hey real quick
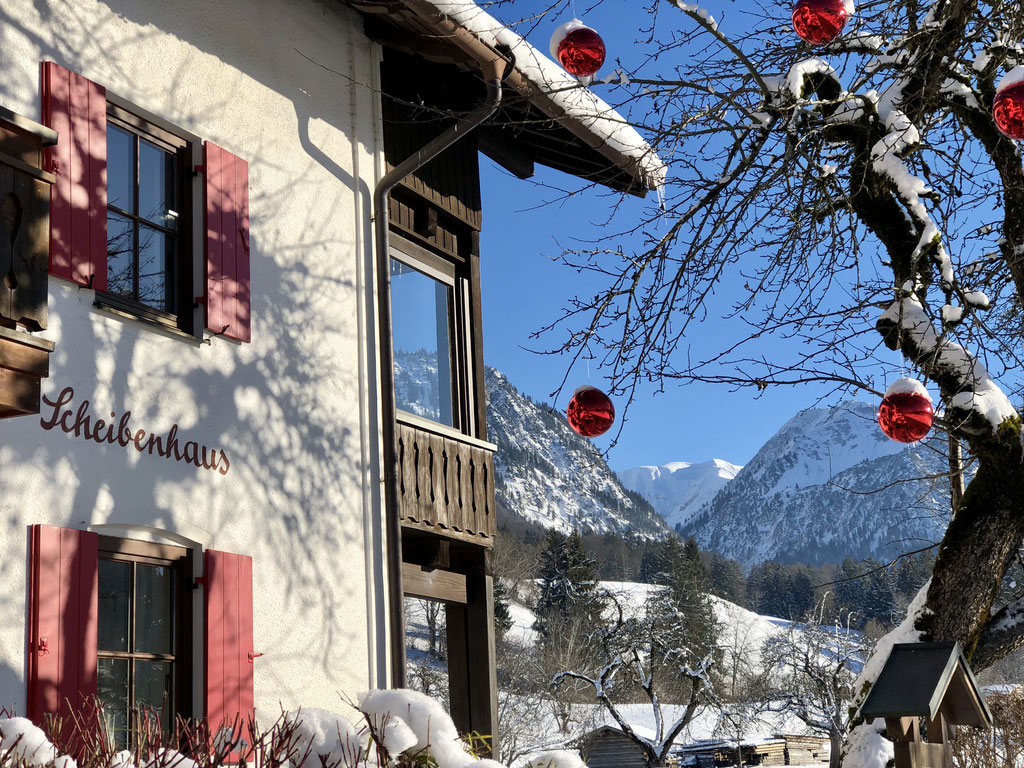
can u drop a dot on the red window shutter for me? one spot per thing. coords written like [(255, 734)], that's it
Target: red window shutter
[(63, 609), (228, 642), (227, 243), (77, 109)]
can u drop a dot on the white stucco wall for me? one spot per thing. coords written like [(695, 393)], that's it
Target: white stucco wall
[(295, 410)]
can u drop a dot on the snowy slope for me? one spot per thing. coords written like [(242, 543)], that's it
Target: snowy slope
[(828, 485), (550, 476), (679, 489)]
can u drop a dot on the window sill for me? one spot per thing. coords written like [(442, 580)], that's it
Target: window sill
[(158, 321)]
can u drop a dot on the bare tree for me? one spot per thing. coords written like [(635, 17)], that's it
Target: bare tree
[(525, 704), (636, 666), (810, 671), (859, 197)]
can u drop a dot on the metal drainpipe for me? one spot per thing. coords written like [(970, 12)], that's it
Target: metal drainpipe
[(493, 72)]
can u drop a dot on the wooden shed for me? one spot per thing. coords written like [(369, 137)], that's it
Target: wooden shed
[(609, 747), (930, 682)]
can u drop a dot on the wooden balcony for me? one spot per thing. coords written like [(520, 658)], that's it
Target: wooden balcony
[(445, 481)]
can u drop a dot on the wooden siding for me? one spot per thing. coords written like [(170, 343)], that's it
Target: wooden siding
[(446, 483), (451, 182), (611, 749)]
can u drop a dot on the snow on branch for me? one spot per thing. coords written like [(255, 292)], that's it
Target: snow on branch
[(972, 391), (797, 78)]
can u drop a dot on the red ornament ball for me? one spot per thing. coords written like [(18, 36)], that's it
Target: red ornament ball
[(1008, 110), (820, 21), (578, 48), (905, 416), (590, 412)]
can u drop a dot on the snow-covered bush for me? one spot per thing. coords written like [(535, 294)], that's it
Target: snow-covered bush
[(386, 729)]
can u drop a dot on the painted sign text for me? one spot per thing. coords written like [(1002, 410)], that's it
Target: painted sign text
[(120, 432)]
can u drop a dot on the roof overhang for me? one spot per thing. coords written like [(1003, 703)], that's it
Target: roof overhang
[(549, 116)]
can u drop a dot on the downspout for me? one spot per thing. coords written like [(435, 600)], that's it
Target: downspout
[(493, 69)]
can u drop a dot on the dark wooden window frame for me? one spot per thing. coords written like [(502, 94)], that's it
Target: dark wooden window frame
[(454, 274), (180, 560), (184, 146)]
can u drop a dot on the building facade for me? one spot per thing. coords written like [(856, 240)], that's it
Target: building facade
[(221, 496)]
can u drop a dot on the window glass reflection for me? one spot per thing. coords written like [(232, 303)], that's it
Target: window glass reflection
[(421, 311)]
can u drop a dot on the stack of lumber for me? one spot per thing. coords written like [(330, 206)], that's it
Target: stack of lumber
[(806, 750)]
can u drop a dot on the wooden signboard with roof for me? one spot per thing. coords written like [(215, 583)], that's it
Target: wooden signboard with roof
[(927, 684)]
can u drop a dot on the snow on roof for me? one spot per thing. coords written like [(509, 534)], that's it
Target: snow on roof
[(565, 91)]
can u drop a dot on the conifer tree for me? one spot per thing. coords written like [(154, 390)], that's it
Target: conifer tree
[(569, 586)]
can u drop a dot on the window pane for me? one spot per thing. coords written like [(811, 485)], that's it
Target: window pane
[(156, 185), (112, 691), (120, 256), (120, 168), (420, 312), (154, 689), (156, 269), (115, 589), (154, 612)]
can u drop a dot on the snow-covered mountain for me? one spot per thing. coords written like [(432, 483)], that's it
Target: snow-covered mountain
[(549, 475), (828, 485), (679, 489)]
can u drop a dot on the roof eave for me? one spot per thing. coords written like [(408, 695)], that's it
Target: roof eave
[(451, 32)]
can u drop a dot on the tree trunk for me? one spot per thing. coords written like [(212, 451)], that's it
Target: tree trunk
[(985, 533), (835, 740)]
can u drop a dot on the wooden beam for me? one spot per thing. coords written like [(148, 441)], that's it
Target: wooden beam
[(17, 356), (902, 728), (506, 152), (19, 394), (433, 583)]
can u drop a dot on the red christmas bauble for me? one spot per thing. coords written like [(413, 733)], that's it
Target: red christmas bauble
[(581, 52), (1008, 110), (820, 21), (906, 417), (590, 412)]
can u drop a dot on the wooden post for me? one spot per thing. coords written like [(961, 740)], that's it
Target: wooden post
[(471, 657)]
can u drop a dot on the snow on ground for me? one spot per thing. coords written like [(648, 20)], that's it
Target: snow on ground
[(522, 632), (741, 632)]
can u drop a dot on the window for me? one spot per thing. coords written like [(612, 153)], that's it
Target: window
[(148, 253), (135, 248), (431, 355), (142, 625), (421, 320)]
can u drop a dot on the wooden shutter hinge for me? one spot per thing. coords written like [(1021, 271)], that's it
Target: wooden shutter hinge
[(198, 169), (42, 646), (253, 656), (199, 581), (197, 301)]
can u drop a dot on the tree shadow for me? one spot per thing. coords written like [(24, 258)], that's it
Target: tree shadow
[(295, 410)]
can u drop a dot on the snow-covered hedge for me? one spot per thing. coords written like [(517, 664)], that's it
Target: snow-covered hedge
[(387, 729)]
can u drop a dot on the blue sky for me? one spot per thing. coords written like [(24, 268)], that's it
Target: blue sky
[(524, 290)]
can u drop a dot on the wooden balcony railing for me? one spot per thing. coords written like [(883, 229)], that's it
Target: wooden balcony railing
[(445, 480)]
